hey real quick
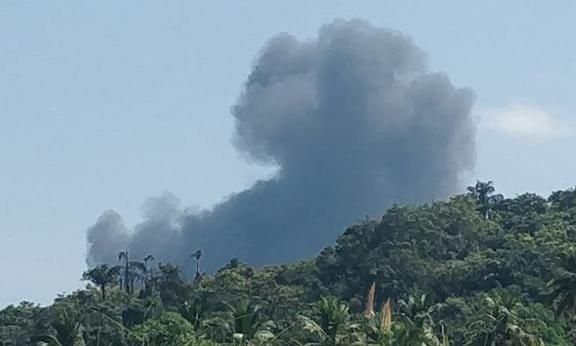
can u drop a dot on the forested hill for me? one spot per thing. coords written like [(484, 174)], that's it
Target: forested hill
[(479, 269)]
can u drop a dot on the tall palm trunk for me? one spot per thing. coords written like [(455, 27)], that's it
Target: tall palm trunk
[(103, 291), (126, 274)]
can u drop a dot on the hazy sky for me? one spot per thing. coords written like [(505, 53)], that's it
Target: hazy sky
[(106, 103)]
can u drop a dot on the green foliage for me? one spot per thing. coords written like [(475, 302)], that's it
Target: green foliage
[(168, 329), (478, 269), (102, 276)]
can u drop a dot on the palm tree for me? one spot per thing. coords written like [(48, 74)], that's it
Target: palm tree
[(501, 324), (417, 309), (173, 289), (482, 192), (333, 327), (196, 255), (148, 276), (194, 309), (332, 315), (102, 276), (131, 270), (247, 318), (148, 258), (562, 289), (417, 327), (123, 255), (68, 328)]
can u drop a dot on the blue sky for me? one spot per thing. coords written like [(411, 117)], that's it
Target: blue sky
[(106, 103)]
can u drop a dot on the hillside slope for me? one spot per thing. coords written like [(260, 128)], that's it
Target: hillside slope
[(479, 269)]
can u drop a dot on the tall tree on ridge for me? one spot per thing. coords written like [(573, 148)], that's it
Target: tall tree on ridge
[(102, 276)]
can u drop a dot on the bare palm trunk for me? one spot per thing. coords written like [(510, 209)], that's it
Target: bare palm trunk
[(103, 291)]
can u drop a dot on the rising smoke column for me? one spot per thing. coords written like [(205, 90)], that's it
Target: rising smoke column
[(354, 121)]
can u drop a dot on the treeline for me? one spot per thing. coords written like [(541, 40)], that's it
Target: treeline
[(479, 269)]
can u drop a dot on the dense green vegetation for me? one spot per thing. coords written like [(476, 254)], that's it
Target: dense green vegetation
[(478, 269)]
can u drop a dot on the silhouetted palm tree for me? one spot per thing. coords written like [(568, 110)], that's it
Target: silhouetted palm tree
[(131, 270), (148, 276), (333, 315), (102, 276), (482, 192), (196, 255), (247, 317)]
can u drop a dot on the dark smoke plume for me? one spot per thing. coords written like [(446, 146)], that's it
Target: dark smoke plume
[(354, 121)]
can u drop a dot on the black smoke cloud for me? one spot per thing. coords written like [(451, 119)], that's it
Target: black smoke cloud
[(355, 122)]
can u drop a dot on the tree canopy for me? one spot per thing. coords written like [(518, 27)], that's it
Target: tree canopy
[(477, 269)]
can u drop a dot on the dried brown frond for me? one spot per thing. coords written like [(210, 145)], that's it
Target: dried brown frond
[(369, 309), (386, 322)]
